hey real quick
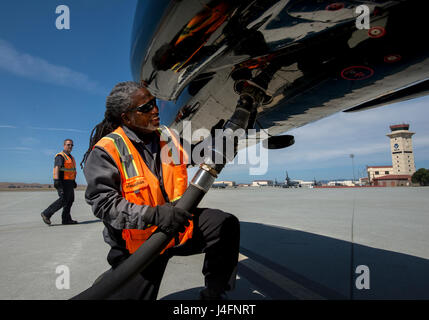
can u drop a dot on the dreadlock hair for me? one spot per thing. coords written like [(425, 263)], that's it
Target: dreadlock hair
[(117, 102)]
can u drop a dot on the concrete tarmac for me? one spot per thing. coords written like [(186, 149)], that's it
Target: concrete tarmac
[(366, 243)]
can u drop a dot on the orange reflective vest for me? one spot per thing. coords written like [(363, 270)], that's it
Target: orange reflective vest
[(69, 167), (140, 186)]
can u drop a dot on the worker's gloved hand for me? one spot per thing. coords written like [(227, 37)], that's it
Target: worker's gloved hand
[(168, 218), (74, 184), (58, 184)]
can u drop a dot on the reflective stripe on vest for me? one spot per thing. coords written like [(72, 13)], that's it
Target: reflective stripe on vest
[(69, 167), (140, 186), (127, 161)]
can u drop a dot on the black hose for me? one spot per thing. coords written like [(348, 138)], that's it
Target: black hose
[(140, 259)]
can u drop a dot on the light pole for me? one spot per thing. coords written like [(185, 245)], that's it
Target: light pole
[(353, 166)]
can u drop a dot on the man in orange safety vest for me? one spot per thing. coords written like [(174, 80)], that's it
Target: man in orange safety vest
[(64, 175), (132, 187)]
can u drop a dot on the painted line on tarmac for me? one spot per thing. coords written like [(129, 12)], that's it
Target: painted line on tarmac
[(292, 288)]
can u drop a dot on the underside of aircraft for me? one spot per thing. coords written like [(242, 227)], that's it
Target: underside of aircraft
[(310, 58)]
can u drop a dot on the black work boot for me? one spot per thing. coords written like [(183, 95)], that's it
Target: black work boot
[(45, 219)]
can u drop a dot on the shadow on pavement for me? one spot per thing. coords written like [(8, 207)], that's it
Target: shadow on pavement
[(327, 266), (241, 292), (79, 222)]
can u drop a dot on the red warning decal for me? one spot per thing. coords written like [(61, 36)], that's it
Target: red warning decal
[(376, 32), (357, 73), (392, 58), (335, 6)]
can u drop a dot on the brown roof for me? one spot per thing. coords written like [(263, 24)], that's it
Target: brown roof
[(394, 177), (405, 126)]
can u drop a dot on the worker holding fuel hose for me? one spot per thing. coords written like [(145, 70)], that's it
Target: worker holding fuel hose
[(132, 186)]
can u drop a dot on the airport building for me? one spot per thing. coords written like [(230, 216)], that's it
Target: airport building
[(227, 183), (260, 183), (305, 184), (393, 180), (223, 184), (378, 171), (403, 166), (401, 147), (243, 185), (346, 183), (364, 181)]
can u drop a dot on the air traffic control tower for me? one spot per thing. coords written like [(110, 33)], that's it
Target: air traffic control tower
[(402, 149)]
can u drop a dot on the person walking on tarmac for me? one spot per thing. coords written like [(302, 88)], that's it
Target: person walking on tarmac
[(64, 182), (133, 189)]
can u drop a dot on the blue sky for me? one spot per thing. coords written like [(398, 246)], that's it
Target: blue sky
[(54, 84)]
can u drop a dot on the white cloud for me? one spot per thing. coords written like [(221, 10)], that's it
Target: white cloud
[(25, 149), (28, 66), (59, 129), (366, 124), (420, 142), (321, 154), (29, 141), (49, 152)]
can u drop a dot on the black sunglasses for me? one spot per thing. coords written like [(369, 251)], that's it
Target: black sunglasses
[(148, 106)]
